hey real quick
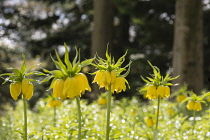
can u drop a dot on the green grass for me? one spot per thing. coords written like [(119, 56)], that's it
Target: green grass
[(127, 121)]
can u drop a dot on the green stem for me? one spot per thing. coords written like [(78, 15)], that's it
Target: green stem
[(79, 118), (54, 116), (158, 110), (25, 118), (157, 117), (194, 121), (108, 113)]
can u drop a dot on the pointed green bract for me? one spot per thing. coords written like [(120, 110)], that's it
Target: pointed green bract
[(66, 68)]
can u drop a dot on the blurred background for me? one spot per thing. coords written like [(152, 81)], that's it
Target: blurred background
[(173, 35)]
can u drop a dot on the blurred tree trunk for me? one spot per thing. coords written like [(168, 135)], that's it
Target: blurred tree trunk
[(102, 31), (188, 44), (102, 27)]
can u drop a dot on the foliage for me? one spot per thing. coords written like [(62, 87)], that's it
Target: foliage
[(127, 121)]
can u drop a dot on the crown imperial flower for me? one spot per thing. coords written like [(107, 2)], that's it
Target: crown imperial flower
[(19, 81), (109, 73), (157, 86), (67, 81)]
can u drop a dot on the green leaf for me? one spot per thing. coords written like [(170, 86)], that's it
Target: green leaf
[(46, 79), (33, 66), (76, 57), (57, 73), (45, 70), (8, 74), (86, 62), (128, 71), (23, 66), (144, 79), (60, 65), (66, 58)]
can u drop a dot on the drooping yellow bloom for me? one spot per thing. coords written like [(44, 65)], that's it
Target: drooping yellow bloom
[(197, 106), (151, 92), (82, 83), (180, 98), (190, 105), (119, 85), (58, 89), (150, 121), (15, 89), (54, 103), (104, 78), (160, 91), (27, 88), (71, 87), (194, 105)]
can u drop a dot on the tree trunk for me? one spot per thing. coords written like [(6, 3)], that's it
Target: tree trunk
[(188, 44), (102, 32), (102, 27)]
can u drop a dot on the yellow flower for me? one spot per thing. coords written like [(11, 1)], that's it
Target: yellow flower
[(151, 93), (161, 91), (167, 91), (105, 78), (71, 87), (150, 121), (171, 111), (15, 89), (197, 106), (82, 83), (190, 105), (54, 103), (58, 89), (102, 101), (194, 105), (180, 98), (27, 88), (118, 85)]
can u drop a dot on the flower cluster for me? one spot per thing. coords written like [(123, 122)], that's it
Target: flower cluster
[(71, 86), (54, 103), (194, 101), (192, 105), (109, 73), (19, 81), (67, 81), (157, 85), (150, 121), (160, 91), (26, 87), (106, 78)]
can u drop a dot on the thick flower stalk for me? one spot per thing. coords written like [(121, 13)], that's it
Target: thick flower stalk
[(157, 87), (21, 85), (67, 81), (109, 76)]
